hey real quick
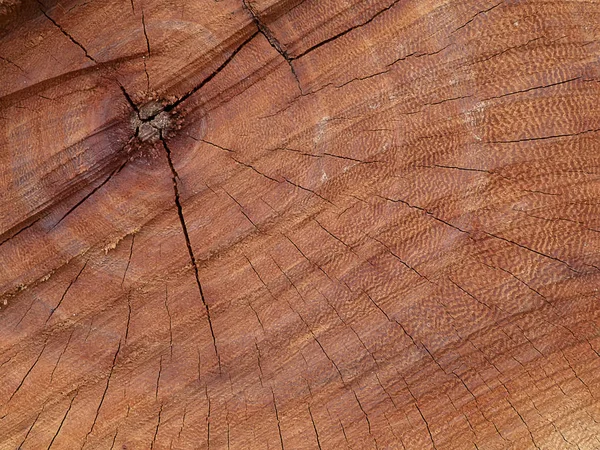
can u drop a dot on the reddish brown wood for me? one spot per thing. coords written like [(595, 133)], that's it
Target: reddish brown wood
[(299, 224)]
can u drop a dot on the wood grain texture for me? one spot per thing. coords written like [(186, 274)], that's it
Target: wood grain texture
[(299, 224)]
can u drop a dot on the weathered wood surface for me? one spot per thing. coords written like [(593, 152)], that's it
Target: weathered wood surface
[(353, 225)]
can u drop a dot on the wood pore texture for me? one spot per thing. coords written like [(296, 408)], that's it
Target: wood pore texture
[(358, 224)]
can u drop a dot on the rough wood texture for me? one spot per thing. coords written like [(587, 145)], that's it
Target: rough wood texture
[(299, 224)]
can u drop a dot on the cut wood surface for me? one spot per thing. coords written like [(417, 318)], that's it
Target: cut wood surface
[(287, 224)]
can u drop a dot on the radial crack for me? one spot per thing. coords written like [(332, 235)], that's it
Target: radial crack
[(273, 41), (315, 427), (62, 422), (207, 418), (277, 417), (157, 427), (485, 11), (343, 33), (97, 188), (53, 310), (145, 33), (174, 177), (129, 260), (63, 31), (211, 76), (112, 368), (61, 355), (170, 320), (158, 378), (31, 427), (28, 372)]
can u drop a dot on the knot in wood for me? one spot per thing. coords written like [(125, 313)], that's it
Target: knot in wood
[(151, 121)]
